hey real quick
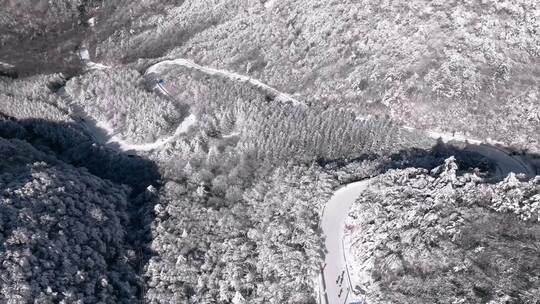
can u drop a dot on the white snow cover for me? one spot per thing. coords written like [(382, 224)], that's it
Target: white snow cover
[(333, 219), (270, 4), (6, 65), (158, 67), (127, 146), (96, 66), (337, 208), (447, 137), (105, 133), (110, 136)]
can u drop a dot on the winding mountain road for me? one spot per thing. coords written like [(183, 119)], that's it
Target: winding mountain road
[(333, 219), (277, 95), (102, 132), (124, 145), (335, 286)]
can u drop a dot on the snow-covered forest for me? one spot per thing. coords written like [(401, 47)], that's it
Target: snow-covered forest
[(63, 230), (451, 65), (187, 151), (224, 221), (119, 98), (422, 235)]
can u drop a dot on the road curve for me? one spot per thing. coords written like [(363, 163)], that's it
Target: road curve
[(505, 162), (337, 209), (123, 145), (277, 95), (103, 133), (333, 219)]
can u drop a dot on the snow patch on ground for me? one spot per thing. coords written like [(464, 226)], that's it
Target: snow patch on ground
[(6, 65), (270, 4), (447, 137), (230, 135), (357, 277), (96, 66)]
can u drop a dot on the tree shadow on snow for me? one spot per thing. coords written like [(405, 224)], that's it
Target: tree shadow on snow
[(68, 143), (493, 162)]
